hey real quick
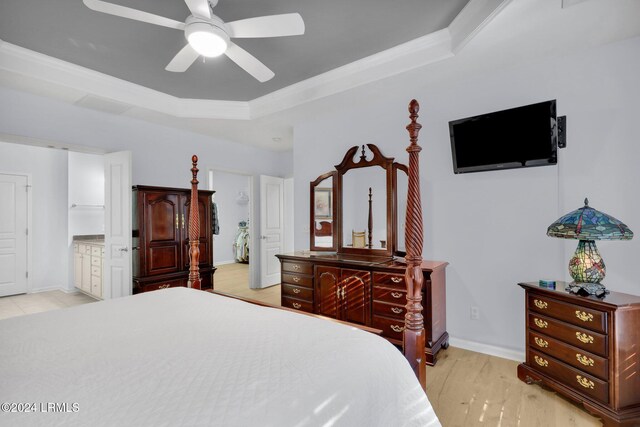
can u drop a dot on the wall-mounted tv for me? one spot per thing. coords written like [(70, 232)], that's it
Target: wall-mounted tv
[(515, 138)]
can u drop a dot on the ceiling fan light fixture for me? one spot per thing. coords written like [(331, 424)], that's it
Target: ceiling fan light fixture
[(206, 39)]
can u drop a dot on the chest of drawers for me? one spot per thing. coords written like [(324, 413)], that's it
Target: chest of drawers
[(585, 348)]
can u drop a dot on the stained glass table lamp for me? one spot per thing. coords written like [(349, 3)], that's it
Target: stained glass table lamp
[(588, 225)]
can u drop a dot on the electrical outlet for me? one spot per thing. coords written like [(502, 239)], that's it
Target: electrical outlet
[(475, 312)]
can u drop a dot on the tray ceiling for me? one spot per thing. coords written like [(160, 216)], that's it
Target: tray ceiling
[(338, 32)]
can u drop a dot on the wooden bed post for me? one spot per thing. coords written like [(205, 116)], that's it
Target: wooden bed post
[(414, 333), (194, 229)]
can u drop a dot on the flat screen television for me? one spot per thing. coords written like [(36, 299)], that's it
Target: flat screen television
[(515, 138)]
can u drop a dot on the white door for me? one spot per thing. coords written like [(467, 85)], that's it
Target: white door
[(271, 228), (13, 234), (117, 225)]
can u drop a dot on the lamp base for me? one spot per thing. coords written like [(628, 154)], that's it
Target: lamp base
[(586, 289)]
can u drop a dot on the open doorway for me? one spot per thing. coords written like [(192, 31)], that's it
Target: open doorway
[(235, 237)]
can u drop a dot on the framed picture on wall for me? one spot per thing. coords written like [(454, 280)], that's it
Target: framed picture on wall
[(322, 202)]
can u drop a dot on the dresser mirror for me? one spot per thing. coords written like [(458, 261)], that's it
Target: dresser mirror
[(359, 208)]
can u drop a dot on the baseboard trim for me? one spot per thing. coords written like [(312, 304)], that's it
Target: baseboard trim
[(53, 288), (491, 350), (217, 263)]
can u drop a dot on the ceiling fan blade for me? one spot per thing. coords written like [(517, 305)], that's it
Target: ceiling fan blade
[(249, 63), (136, 15), (288, 24), (183, 60), (199, 8)]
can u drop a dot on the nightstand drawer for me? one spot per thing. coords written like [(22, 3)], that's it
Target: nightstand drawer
[(297, 267), (392, 296), (576, 357), (297, 304), (298, 280), (574, 378), (580, 316), (390, 310), (297, 292), (582, 338)]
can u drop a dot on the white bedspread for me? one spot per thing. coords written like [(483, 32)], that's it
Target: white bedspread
[(184, 357)]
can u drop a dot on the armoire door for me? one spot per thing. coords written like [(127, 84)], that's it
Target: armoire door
[(327, 286), (204, 214), (356, 297), (162, 233)]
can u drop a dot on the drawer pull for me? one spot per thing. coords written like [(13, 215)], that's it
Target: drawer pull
[(397, 328), (296, 305), (296, 267), (396, 294), (585, 317), (541, 343), (587, 339), (164, 286), (396, 310), (396, 279), (540, 323), (540, 361), (296, 290), (585, 382), (296, 279), (586, 361), (540, 304)]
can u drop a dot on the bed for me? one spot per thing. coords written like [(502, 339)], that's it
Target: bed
[(182, 356)]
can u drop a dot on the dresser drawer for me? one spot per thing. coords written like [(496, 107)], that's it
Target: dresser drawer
[(297, 304), (390, 310), (297, 267), (391, 328), (578, 358), (96, 270), (391, 280), (96, 261), (582, 338), (296, 279), (581, 316), (394, 296), (574, 378), (96, 251), (299, 292)]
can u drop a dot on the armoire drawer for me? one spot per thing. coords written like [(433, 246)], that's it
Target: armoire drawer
[(163, 285)]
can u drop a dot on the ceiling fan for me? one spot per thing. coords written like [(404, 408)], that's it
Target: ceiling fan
[(210, 36)]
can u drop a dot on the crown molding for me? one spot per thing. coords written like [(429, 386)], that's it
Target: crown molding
[(419, 52)]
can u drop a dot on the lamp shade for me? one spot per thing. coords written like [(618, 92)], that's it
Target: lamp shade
[(587, 223)]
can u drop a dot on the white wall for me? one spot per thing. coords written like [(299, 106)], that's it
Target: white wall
[(230, 212), (48, 170), (160, 155), (491, 226)]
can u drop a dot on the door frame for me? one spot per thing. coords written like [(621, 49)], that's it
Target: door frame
[(252, 240), (29, 221)]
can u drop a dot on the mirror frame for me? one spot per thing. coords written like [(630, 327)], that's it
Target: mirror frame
[(334, 212), (378, 160)]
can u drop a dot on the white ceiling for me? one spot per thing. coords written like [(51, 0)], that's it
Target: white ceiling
[(486, 35)]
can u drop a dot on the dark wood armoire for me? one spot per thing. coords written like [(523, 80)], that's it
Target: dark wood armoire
[(161, 238)]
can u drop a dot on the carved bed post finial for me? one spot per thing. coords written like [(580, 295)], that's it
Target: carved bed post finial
[(414, 333), (194, 229)]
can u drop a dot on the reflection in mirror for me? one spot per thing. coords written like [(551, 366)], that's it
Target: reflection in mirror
[(401, 193), (323, 214), (364, 195)]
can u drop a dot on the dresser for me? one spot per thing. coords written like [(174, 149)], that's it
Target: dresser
[(88, 256), (365, 290), (585, 348), (161, 238)]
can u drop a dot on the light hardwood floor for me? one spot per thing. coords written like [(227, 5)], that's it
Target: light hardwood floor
[(234, 279), (465, 388)]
